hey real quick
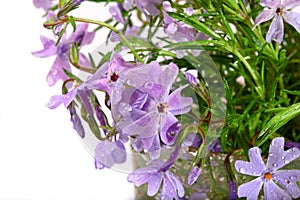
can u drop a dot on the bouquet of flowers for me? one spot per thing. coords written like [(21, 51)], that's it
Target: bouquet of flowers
[(201, 95)]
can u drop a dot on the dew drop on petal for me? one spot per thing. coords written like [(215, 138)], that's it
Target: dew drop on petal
[(242, 170), (130, 178), (274, 165)]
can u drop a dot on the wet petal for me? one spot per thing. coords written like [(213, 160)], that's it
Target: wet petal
[(278, 157), (66, 99), (169, 188), (276, 30), (142, 175), (75, 119), (56, 72), (256, 165), (83, 60), (273, 192), (178, 184), (127, 4), (264, 16), (178, 104), (293, 19), (154, 184), (250, 189), (288, 179)]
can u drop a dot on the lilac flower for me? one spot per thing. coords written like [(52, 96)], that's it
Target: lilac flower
[(108, 153), (194, 174), (179, 31), (45, 4), (77, 125), (112, 71), (156, 174), (279, 10), (81, 37), (116, 13), (149, 7), (142, 106), (268, 175), (77, 2), (232, 190)]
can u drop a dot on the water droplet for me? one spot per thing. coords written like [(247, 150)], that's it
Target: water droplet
[(274, 165), (130, 178), (286, 162), (271, 154), (292, 177), (282, 158), (242, 170), (281, 147), (148, 85), (251, 166)]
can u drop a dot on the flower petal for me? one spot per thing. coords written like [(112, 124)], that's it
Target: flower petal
[(273, 192), (288, 179), (168, 136), (256, 165), (178, 104), (154, 184), (178, 184), (56, 72), (290, 4), (264, 16), (49, 48), (250, 189), (66, 99), (116, 13), (293, 19), (278, 157), (270, 3), (276, 30)]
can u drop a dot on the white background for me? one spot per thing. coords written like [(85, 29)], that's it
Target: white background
[(41, 156)]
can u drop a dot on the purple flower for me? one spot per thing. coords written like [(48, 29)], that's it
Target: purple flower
[(77, 2), (45, 4), (194, 174), (149, 7), (279, 10), (83, 90), (291, 144), (193, 81), (179, 31), (108, 153), (77, 125), (232, 190), (81, 37), (112, 71), (268, 175), (142, 105), (116, 13), (132, 31), (156, 174)]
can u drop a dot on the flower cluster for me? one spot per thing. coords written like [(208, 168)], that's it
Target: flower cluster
[(188, 87)]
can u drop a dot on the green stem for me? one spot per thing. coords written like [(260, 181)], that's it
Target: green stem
[(123, 38), (255, 77)]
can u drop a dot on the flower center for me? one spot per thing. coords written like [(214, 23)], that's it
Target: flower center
[(114, 77), (279, 11), (268, 176), (162, 107)]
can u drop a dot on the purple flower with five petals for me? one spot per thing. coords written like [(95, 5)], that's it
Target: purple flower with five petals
[(156, 174), (268, 175), (45, 4), (142, 105), (81, 36), (279, 10)]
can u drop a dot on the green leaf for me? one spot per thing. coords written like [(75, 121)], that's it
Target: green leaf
[(196, 24), (72, 21), (278, 121)]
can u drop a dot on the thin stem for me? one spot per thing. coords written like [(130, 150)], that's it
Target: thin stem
[(77, 19)]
